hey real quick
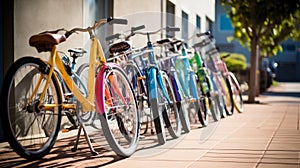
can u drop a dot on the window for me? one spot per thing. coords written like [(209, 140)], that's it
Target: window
[(225, 23), (198, 22), (185, 25), (289, 47), (208, 24), (170, 17)]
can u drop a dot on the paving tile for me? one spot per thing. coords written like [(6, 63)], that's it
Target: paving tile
[(218, 164), (278, 165)]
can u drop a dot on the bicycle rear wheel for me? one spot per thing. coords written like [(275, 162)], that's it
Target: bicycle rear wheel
[(30, 130), (119, 111)]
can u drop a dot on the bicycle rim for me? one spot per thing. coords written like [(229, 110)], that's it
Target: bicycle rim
[(237, 97), (137, 82), (203, 101), (30, 131), (228, 104), (214, 108), (120, 122), (170, 110)]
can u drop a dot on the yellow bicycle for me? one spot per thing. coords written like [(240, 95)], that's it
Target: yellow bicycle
[(32, 98)]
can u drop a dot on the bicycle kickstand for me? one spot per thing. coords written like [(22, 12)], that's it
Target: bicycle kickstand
[(87, 139)]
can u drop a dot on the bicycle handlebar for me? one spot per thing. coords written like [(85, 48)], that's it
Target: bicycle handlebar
[(204, 42), (117, 35), (203, 34), (133, 29), (97, 24), (168, 28)]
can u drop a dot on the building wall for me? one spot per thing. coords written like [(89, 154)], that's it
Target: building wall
[(153, 13), (34, 16)]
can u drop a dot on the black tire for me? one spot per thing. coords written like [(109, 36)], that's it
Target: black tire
[(203, 109), (213, 101), (182, 104), (170, 109), (120, 122), (153, 90), (31, 132), (216, 94), (194, 112)]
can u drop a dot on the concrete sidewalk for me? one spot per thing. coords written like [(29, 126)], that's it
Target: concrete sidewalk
[(265, 135)]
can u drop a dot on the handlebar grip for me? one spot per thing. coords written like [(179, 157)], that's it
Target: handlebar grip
[(168, 28), (137, 28), (203, 34), (114, 36), (111, 20)]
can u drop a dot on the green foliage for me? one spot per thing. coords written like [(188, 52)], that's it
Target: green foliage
[(235, 61), (267, 22)]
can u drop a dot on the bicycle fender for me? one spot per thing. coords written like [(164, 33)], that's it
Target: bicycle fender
[(100, 85)]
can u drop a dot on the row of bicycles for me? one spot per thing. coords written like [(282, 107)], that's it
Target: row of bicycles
[(166, 86)]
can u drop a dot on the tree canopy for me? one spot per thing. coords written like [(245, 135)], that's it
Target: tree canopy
[(261, 25)]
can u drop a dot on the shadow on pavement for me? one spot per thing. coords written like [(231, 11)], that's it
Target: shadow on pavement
[(289, 94), (62, 156)]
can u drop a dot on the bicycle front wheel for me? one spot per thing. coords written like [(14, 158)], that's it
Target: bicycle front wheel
[(81, 80), (169, 106), (31, 130), (228, 102), (237, 94), (195, 87), (119, 111)]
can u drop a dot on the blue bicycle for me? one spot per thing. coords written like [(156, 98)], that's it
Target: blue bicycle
[(152, 85)]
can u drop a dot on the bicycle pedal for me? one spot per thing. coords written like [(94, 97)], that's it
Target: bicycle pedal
[(213, 94), (68, 95), (192, 100), (65, 130), (141, 78)]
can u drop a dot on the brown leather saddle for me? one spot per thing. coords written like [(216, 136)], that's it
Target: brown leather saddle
[(46, 41)]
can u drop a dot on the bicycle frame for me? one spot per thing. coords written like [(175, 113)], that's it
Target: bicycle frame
[(189, 87), (88, 103), (153, 73)]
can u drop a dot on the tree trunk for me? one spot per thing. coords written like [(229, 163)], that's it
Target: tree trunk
[(253, 70)]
